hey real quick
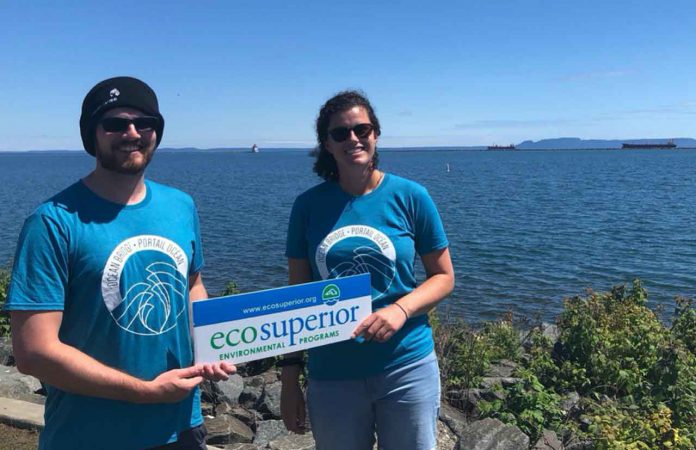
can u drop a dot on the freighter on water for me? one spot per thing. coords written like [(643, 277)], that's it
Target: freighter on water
[(669, 144)]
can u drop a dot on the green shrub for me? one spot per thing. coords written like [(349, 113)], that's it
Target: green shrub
[(4, 316), (614, 337), (614, 426), (684, 325), (529, 405), (674, 379), (615, 346), (231, 288), (561, 376), (462, 354), (502, 340), (637, 376)]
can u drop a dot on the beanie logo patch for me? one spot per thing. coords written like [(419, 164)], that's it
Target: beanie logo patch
[(113, 96)]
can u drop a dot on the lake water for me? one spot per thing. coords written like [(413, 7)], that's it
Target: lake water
[(527, 228)]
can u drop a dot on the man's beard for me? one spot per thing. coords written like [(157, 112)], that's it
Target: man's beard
[(113, 161)]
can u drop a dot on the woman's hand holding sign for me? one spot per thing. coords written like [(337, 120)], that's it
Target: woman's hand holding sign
[(382, 324)]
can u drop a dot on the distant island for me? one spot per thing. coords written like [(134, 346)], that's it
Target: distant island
[(568, 143), (577, 143)]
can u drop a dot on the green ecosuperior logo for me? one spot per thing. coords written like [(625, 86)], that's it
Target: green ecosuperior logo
[(330, 294)]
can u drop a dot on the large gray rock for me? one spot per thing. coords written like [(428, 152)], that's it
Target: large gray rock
[(502, 369), (271, 376), (492, 434), (249, 418), (570, 404), (467, 400), (548, 441), (455, 420), (293, 442), (455, 397), (550, 331), (225, 429), (492, 382), (217, 392), (253, 392), (269, 404), (574, 443), (6, 358), (209, 393), (230, 390), (446, 438), (17, 386), (269, 430)]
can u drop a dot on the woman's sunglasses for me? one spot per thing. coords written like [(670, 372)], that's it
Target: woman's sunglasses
[(361, 130), (121, 124)]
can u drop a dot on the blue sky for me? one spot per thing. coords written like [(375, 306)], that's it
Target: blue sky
[(233, 73)]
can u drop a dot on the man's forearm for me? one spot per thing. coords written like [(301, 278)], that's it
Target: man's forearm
[(39, 352), (71, 370)]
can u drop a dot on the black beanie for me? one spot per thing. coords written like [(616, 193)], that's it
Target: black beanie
[(113, 93)]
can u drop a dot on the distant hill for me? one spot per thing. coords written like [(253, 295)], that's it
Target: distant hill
[(577, 143)]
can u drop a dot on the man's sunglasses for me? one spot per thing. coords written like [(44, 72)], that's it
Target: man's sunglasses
[(121, 124), (361, 130)]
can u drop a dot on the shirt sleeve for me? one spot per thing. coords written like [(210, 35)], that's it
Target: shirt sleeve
[(197, 261), (40, 271), (296, 244), (430, 233)]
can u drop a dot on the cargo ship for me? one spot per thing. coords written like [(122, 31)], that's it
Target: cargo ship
[(669, 144), (501, 147)]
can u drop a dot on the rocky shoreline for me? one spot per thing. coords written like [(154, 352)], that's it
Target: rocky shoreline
[(243, 413)]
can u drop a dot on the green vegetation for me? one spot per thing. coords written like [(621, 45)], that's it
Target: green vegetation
[(4, 316), (636, 377), (231, 288), (527, 404), (461, 353)]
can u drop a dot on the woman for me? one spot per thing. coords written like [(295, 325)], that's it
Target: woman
[(362, 219)]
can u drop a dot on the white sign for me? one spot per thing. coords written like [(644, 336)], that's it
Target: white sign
[(256, 325)]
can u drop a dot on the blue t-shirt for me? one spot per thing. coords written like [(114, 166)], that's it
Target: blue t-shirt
[(381, 232), (120, 274)]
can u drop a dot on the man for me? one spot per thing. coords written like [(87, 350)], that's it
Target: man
[(100, 291)]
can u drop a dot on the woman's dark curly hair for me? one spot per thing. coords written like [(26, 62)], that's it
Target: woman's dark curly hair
[(325, 165)]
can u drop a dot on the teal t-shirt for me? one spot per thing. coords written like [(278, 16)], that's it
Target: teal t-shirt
[(382, 233), (120, 275)]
